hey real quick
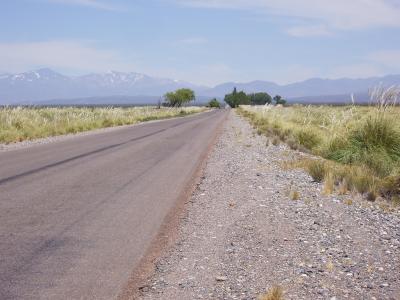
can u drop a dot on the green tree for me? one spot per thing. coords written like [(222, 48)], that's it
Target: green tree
[(214, 103), (242, 98), (179, 97), (260, 98), (236, 98), (279, 100)]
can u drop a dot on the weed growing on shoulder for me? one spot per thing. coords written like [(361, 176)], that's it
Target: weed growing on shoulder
[(275, 141), (329, 184), (343, 187), (348, 202), (274, 293), (294, 195), (316, 169)]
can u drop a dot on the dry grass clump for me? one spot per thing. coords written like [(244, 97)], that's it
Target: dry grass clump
[(343, 187), (23, 123), (275, 293), (344, 178), (348, 202), (329, 184), (361, 144), (316, 169), (335, 175), (294, 195)]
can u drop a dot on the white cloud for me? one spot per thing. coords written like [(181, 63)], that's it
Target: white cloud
[(338, 14), (88, 3), (308, 31), (71, 55)]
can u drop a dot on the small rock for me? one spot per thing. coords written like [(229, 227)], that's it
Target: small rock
[(384, 284), (221, 278)]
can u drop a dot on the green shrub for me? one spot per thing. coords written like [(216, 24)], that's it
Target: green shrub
[(214, 103), (374, 143), (307, 138)]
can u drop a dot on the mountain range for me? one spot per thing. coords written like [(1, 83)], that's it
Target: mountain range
[(45, 86)]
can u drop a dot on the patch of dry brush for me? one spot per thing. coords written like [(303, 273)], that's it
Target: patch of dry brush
[(23, 123), (358, 146)]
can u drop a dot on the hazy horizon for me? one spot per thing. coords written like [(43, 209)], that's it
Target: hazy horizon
[(183, 80)]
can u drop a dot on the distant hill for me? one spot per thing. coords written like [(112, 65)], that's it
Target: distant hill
[(315, 88), (45, 86)]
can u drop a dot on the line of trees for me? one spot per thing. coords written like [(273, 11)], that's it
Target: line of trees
[(236, 98), (181, 97)]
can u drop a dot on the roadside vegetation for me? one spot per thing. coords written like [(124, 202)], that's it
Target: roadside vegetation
[(23, 123), (358, 146)]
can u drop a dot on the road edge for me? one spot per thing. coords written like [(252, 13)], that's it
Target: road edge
[(168, 233)]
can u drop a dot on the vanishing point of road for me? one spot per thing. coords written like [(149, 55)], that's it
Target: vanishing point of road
[(78, 215)]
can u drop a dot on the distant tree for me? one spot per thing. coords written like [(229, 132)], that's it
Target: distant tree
[(229, 99), (242, 98), (260, 98), (236, 98), (179, 97), (279, 100), (214, 103)]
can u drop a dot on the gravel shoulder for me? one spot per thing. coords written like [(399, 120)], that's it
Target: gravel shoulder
[(242, 233)]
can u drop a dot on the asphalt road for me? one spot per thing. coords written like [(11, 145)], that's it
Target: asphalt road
[(76, 216)]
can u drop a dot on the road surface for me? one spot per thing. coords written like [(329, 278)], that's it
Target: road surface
[(76, 216)]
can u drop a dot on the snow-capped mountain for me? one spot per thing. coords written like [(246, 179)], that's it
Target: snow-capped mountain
[(45, 84), (34, 76), (113, 78)]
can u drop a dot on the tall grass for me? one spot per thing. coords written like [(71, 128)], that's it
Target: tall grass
[(21, 123), (363, 143)]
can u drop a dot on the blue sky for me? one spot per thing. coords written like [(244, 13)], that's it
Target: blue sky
[(203, 41)]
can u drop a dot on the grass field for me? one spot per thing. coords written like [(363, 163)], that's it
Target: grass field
[(19, 123), (359, 146)]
